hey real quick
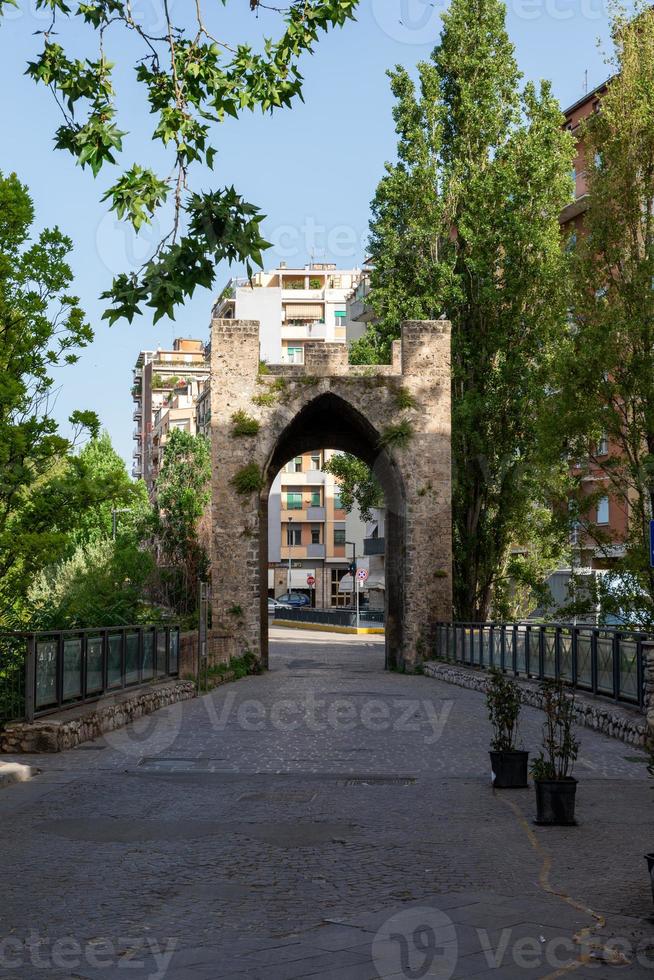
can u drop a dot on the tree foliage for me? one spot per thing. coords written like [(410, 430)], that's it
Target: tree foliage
[(465, 225), (101, 584), (606, 381), (65, 512), (182, 494), (41, 327), (190, 79), (356, 484)]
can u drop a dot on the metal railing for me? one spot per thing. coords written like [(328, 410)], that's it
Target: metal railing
[(332, 617), (603, 661), (45, 672)]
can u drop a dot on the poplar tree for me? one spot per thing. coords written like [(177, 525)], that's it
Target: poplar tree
[(606, 385), (465, 226)]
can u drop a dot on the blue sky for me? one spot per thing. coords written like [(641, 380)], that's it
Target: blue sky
[(311, 169)]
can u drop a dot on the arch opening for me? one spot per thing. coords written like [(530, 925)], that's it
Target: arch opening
[(329, 422)]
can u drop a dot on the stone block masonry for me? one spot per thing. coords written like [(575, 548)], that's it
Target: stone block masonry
[(89, 721), (395, 417), (616, 720)]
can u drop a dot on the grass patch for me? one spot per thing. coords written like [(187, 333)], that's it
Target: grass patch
[(248, 480), (397, 436), (244, 425), (404, 398), (235, 610)]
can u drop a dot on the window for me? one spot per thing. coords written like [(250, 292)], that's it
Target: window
[(338, 598), (295, 465), (315, 461), (603, 445), (339, 317), (315, 535), (339, 537), (338, 502), (603, 510), (294, 500), (315, 498), (293, 536), (295, 355)]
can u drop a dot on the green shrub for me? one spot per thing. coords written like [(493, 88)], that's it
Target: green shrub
[(404, 398), (398, 435), (244, 425), (248, 480)]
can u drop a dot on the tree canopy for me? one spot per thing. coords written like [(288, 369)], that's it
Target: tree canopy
[(465, 225), (191, 77)]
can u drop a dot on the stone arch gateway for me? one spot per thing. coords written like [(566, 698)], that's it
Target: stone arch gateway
[(396, 417)]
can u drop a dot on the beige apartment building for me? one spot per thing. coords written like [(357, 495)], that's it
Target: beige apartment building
[(165, 389)]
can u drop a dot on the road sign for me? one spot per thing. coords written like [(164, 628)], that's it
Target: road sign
[(362, 574), (311, 580)]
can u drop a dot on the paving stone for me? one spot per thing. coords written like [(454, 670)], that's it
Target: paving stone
[(246, 845)]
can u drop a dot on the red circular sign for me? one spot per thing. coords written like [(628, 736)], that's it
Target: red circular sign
[(311, 580)]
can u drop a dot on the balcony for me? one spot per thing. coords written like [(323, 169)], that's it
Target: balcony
[(374, 546), (315, 513), (310, 330), (315, 551), (137, 414)]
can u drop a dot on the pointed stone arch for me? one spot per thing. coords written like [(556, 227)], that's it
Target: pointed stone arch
[(395, 417)]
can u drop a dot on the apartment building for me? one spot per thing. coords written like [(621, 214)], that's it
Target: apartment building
[(165, 388), (311, 538), (607, 515), (292, 306)]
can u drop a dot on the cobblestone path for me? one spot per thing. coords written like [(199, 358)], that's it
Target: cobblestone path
[(325, 820)]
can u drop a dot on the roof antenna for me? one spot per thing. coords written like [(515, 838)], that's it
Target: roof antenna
[(586, 82)]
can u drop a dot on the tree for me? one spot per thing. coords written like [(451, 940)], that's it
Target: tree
[(607, 368), (190, 80), (356, 484), (41, 326), (182, 494), (101, 584), (465, 225), (68, 508)]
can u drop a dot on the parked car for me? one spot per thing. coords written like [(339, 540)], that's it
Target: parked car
[(294, 599), (275, 606)]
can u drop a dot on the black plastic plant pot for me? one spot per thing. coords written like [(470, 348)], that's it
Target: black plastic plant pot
[(555, 801), (509, 769), (650, 867)]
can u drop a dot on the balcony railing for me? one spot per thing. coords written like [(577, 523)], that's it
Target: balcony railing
[(374, 546), (599, 660), (49, 671)]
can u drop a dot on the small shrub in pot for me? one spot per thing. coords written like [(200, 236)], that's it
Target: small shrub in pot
[(552, 770), (504, 701)]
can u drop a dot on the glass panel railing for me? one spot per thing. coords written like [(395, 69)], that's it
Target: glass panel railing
[(94, 665), (72, 681), (114, 660), (46, 673)]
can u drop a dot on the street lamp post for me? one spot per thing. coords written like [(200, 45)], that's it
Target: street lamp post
[(289, 588), (114, 519)]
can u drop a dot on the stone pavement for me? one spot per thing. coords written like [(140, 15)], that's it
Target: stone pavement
[(325, 820)]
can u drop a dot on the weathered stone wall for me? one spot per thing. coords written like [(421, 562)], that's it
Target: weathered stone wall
[(616, 720), (86, 722), (329, 403)]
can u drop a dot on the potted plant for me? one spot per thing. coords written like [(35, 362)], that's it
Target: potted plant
[(508, 764), (552, 771)]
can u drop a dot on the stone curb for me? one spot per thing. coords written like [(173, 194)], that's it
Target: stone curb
[(15, 772), (616, 721)]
